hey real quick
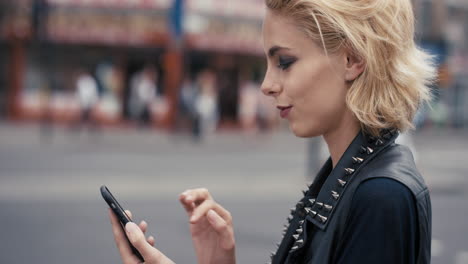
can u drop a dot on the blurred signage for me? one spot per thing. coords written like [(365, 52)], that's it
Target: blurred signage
[(176, 19), (153, 4), (15, 18), (223, 35), (232, 26), (228, 8), (110, 26)]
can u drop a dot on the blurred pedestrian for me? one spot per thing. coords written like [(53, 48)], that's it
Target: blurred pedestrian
[(188, 99), (206, 102), (87, 94), (348, 71), (143, 94), (249, 105)]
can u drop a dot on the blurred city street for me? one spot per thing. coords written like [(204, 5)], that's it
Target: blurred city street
[(52, 211), (89, 91)]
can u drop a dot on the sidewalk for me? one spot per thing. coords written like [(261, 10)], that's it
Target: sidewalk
[(153, 163)]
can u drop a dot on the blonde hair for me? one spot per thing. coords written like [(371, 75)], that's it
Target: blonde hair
[(381, 32)]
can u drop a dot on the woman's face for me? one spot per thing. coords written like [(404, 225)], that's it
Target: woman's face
[(308, 85)]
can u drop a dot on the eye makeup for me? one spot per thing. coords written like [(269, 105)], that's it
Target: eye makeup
[(285, 61)]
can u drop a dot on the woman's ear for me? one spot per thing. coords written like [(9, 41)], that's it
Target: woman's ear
[(355, 65)]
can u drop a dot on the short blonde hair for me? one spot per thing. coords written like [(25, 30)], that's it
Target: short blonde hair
[(397, 75)]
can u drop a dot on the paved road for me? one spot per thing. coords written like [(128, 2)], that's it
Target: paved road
[(52, 211)]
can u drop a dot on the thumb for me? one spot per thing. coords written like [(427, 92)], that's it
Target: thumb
[(138, 240)]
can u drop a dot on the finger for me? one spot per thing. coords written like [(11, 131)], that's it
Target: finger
[(188, 206), (203, 208), (223, 229), (197, 196), (129, 214), (120, 239), (150, 240), (137, 238), (143, 226)]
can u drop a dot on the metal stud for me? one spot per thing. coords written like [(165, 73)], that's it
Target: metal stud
[(327, 207), (341, 182), (387, 136), (300, 205), (299, 231), (311, 212), (293, 209), (296, 236), (370, 139), (322, 218), (294, 248), (363, 149), (304, 192), (299, 242), (312, 201), (301, 222), (357, 160), (335, 195), (369, 150), (290, 218), (319, 205), (349, 171), (379, 142)]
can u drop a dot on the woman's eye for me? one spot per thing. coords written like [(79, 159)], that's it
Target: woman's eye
[(284, 63)]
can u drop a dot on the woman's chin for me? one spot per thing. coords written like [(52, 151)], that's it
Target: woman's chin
[(302, 131)]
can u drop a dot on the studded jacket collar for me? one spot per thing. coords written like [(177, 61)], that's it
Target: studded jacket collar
[(327, 199)]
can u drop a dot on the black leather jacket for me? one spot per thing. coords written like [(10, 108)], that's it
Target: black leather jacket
[(315, 227)]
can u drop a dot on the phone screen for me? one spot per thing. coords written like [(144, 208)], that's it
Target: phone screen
[(120, 213)]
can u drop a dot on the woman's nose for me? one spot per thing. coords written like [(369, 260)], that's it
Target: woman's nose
[(270, 88)]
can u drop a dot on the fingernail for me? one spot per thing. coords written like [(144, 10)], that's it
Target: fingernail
[(192, 219), (131, 228), (210, 215), (188, 198)]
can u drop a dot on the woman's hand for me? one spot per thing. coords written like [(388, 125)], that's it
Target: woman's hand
[(136, 235), (211, 228)]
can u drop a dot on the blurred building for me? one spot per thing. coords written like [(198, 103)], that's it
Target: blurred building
[(441, 29), (44, 43)]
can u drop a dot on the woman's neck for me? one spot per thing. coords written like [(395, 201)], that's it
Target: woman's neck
[(341, 137)]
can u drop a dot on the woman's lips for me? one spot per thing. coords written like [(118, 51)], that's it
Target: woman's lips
[(284, 110)]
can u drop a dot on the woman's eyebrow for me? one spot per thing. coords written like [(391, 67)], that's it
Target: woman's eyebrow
[(274, 49)]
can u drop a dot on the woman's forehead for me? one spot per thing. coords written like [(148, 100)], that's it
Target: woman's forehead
[(281, 31)]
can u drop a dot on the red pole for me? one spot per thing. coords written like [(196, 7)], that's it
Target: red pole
[(173, 65), (16, 72)]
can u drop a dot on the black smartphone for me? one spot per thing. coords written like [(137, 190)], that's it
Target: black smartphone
[(121, 215)]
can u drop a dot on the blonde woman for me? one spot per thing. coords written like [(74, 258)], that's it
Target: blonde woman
[(348, 71)]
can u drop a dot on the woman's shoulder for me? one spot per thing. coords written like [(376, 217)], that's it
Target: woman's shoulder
[(383, 193), (395, 163)]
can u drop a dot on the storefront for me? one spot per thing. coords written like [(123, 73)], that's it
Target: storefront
[(114, 40), (111, 40), (224, 36)]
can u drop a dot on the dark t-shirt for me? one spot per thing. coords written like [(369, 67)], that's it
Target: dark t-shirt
[(382, 226)]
